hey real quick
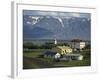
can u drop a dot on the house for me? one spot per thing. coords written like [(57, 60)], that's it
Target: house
[(78, 44), (69, 57), (51, 54), (62, 49)]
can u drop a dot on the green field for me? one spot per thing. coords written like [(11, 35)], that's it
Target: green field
[(32, 60)]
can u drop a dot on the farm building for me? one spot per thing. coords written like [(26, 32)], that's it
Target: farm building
[(71, 57), (62, 49), (51, 54), (78, 44)]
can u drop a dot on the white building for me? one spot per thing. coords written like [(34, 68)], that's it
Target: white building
[(82, 45), (72, 57), (57, 56), (78, 44)]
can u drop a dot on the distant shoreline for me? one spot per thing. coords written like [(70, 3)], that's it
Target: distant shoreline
[(52, 40)]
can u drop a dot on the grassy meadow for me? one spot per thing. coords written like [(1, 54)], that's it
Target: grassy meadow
[(34, 60)]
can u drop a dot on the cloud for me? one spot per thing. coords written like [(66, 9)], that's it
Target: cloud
[(55, 14), (33, 20), (75, 14)]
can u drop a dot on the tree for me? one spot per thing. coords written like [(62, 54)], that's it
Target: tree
[(88, 46)]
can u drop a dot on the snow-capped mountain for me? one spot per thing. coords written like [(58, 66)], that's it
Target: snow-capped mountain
[(48, 27)]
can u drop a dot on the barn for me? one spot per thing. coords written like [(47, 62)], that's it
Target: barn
[(62, 49), (51, 54), (69, 57)]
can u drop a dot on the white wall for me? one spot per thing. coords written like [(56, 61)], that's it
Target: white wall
[(5, 39)]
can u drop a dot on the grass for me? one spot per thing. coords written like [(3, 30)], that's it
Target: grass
[(75, 63), (31, 60), (33, 53)]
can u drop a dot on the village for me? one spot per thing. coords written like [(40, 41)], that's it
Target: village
[(66, 53), (57, 54)]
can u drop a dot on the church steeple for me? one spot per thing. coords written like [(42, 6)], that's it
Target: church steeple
[(55, 42)]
